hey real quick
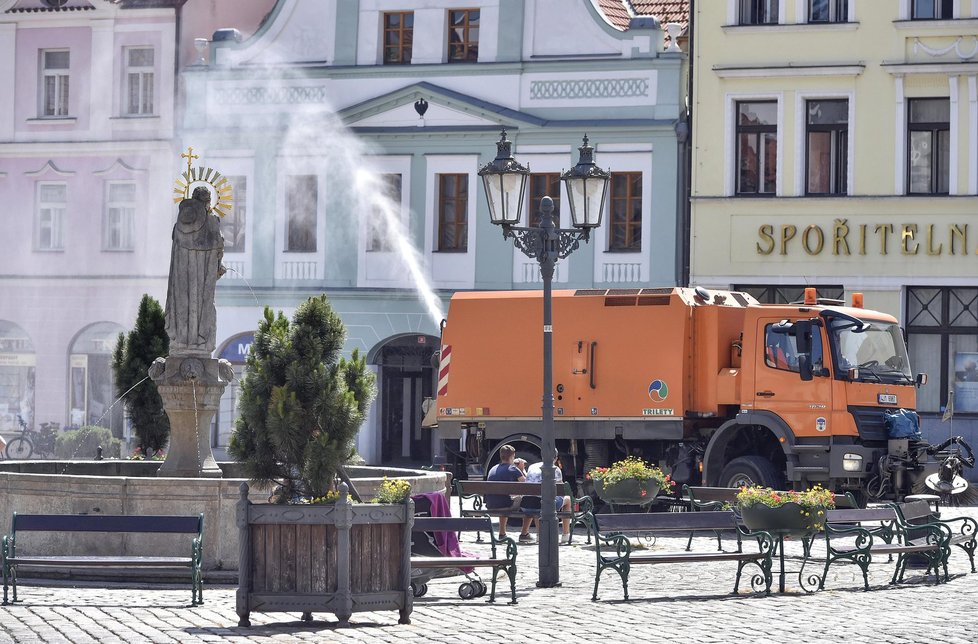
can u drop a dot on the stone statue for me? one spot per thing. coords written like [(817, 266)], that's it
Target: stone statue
[(195, 266)]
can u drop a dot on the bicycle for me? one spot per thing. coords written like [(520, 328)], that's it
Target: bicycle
[(23, 446)]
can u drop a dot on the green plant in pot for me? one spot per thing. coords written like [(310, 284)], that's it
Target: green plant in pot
[(788, 512), (630, 481), (301, 403)]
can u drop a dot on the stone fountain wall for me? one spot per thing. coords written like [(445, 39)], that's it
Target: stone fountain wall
[(132, 488)]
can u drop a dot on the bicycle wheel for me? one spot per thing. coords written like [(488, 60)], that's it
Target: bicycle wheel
[(20, 447)]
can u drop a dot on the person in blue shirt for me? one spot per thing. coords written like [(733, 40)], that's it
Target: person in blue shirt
[(508, 470)]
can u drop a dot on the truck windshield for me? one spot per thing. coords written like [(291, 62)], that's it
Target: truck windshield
[(876, 349)]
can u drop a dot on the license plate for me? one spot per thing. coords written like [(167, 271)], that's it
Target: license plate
[(887, 399)]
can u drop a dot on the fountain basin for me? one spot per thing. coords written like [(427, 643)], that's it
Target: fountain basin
[(133, 487)]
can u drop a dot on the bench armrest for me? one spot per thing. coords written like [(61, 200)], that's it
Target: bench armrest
[(585, 506), (617, 543), (863, 536), (962, 525), (510, 544), (936, 532), (765, 540)]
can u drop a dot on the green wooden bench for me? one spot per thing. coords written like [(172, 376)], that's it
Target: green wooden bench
[(901, 529), (506, 564), (475, 491), (614, 549), (60, 523)]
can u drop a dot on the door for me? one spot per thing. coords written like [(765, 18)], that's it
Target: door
[(406, 379), (805, 406)]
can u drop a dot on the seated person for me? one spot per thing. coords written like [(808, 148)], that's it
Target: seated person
[(532, 503), (507, 470)]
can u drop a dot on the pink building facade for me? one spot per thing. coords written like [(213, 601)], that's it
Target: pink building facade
[(87, 164)]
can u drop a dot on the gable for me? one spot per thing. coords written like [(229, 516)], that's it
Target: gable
[(445, 108)]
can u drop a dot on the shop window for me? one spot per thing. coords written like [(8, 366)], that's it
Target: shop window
[(91, 384), (17, 363), (942, 335)]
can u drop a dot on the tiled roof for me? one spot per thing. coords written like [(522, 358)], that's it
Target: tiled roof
[(620, 12)]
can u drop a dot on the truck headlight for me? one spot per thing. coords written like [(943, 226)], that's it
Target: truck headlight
[(852, 462)]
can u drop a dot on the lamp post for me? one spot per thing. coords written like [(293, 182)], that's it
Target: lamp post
[(504, 180)]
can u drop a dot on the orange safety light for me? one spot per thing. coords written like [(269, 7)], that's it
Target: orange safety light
[(857, 300), (811, 297)]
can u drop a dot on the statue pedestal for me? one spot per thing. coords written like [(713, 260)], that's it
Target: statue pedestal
[(191, 389)]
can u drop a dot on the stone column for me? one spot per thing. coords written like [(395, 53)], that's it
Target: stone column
[(191, 389)]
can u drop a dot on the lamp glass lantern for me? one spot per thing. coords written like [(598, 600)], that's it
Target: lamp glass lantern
[(587, 189), (504, 180)]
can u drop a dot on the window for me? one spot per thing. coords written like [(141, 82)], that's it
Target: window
[(233, 225), (543, 184), (139, 81), (302, 202), (626, 212), (453, 207), (384, 210), (398, 35), (828, 10), (463, 35), (928, 139), (942, 335), (757, 147), (828, 136), (120, 210), (51, 201), (54, 82), (931, 9), (758, 12)]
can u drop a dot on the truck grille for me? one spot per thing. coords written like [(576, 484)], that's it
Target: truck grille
[(869, 422)]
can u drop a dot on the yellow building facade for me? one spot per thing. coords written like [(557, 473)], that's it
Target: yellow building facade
[(835, 144)]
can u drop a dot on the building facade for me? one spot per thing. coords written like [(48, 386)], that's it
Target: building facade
[(352, 134), (835, 144), (86, 168)]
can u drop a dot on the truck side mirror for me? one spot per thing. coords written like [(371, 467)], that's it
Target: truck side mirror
[(921, 379), (803, 344)]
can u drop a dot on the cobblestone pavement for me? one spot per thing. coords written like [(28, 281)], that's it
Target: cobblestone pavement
[(675, 603)]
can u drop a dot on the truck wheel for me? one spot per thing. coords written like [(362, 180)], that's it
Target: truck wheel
[(749, 471)]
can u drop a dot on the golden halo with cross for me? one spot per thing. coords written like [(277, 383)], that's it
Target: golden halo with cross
[(220, 187)]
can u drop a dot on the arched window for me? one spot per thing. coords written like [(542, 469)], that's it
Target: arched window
[(16, 378), (91, 385)]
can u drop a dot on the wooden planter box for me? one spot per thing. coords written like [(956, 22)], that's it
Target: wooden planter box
[(338, 559)]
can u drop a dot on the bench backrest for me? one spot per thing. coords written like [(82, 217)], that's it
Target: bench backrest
[(498, 487), (859, 515), (915, 510), (664, 522), (106, 523), (452, 524)]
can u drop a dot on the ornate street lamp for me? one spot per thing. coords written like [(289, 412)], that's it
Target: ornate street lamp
[(504, 180)]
